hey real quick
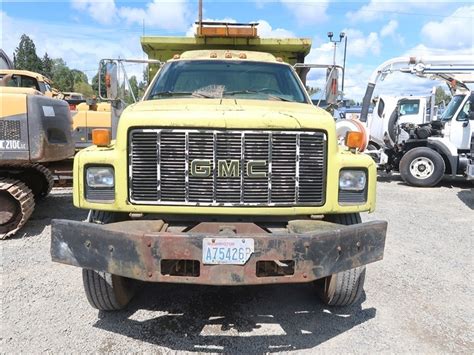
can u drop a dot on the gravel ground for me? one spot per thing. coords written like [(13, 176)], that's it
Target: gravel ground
[(418, 299)]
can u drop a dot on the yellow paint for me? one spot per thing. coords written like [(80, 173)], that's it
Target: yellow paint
[(37, 76), (222, 114), (223, 54), (91, 119), (12, 102), (98, 119), (79, 119)]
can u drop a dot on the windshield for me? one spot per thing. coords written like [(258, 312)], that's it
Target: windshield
[(409, 107), (236, 79), (452, 107), (22, 81)]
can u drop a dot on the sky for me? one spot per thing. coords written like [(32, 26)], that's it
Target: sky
[(84, 31)]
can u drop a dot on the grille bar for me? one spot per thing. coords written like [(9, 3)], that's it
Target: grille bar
[(231, 168)]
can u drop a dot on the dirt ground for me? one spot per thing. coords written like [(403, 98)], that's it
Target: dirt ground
[(418, 299)]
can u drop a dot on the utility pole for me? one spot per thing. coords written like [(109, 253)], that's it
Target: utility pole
[(342, 36), (200, 16)]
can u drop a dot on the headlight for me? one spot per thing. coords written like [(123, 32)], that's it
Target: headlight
[(352, 180), (100, 177)]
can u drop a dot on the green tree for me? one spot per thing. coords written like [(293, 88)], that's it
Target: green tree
[(79, 76), (134, 85), (63, 77), (84, 88), (47, 66), (25, 56), (441, 95), (95, 83)]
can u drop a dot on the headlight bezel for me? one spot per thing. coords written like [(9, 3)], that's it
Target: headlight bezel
[(105, 194), (99, 186), (360, 174)]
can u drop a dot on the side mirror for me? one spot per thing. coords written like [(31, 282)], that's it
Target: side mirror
[(332, 85), (111, 80), (471, 115)]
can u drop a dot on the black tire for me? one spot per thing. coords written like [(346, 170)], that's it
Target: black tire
[(344, 288), (392, 126), (106, 217), (423, 167), (105, 291)]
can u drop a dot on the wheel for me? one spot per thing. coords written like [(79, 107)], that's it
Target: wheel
[(422, 167), (105, 291), (343, 288)]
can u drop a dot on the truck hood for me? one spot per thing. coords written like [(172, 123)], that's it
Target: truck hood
[(226, 113)]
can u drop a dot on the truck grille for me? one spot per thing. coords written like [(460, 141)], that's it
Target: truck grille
[(226, 168)]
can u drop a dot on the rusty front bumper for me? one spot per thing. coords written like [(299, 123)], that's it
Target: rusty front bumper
[(132, 249)]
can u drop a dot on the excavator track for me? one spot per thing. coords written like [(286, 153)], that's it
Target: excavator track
[(16, 206), (43, 189), (38, 178)]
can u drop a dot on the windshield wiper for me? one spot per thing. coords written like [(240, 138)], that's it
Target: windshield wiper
[(238, 92), (272, 96), (178, 93)]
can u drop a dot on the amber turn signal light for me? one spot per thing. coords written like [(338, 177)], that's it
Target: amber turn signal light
[(354, 140), (101, 137)]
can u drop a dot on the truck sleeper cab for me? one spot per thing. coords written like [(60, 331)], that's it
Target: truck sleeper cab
[(224, 174)]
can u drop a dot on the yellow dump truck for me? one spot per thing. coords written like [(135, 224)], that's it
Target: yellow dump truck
[(224, 173)]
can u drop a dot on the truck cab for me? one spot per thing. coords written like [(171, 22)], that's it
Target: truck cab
[(458, 121)]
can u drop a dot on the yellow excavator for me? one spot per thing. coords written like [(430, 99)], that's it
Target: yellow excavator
[(35, 132), (87, 114)]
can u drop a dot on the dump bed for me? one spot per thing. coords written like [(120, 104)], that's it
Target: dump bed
[(291, 50)]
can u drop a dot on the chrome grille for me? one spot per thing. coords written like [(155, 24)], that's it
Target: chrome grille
[(292, 167)]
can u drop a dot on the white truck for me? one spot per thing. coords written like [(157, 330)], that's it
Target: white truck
[(391, 111), (424, 152)]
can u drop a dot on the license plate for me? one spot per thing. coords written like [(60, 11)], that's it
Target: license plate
[(234, 251)]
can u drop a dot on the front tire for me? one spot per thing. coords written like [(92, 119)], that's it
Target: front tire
[(343, 288), (423, 167), (105, 291)]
